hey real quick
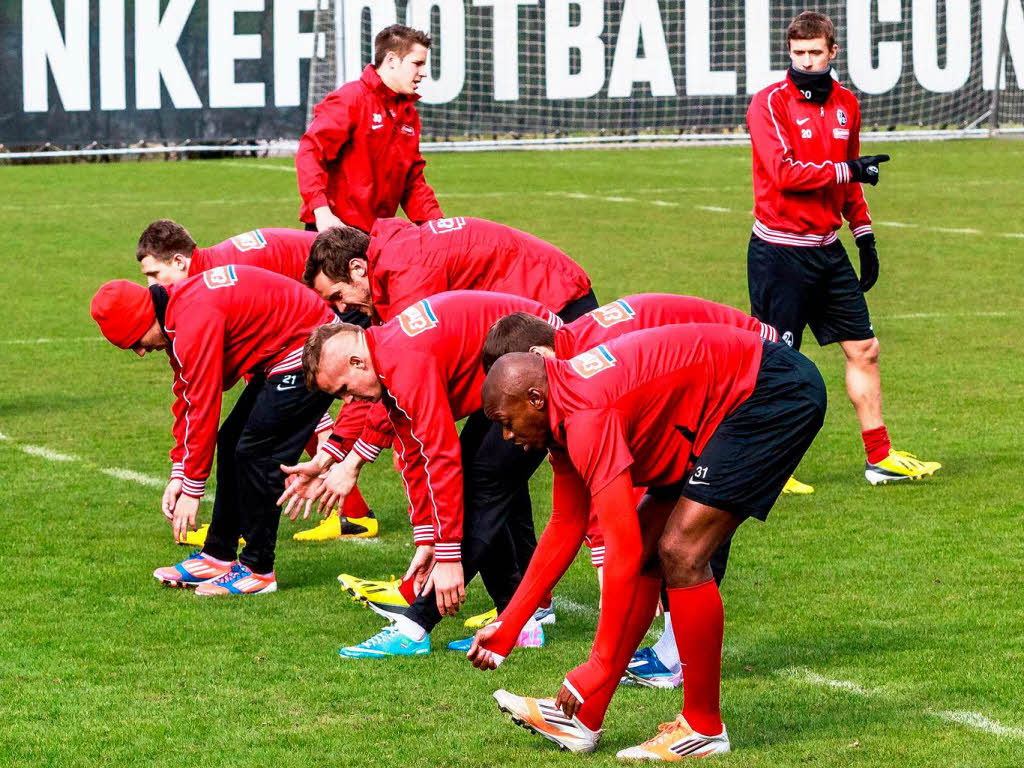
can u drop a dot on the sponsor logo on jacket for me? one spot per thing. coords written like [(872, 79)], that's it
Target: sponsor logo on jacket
[(841, 133), (440, 226), (593, 361), (841, 116), (418, 318), (408, 129), (249, 241), (220, 277), (612, 314)]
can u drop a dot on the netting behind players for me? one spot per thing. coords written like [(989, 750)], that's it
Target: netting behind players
[(608, 67)]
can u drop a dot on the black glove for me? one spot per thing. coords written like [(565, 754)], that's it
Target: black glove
[(865, 169), (868, 261)]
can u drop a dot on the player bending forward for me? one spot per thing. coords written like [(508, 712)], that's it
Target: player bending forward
[(805, 133), (167, 254), (712, 420), (217, 327)]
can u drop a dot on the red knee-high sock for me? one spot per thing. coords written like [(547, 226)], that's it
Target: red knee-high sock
[(876, 443), (355, 505), (697, 623), (644, 602)]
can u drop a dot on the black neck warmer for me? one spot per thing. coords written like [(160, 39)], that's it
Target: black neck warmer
[(815, 86), (160, 299)]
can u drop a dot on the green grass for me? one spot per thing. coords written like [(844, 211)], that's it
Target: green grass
[(910, 592)]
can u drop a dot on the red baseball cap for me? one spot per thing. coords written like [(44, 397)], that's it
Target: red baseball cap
[(124, 312)]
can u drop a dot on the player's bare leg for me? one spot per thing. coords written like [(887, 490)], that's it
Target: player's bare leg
[(864, 387), (693, 533)]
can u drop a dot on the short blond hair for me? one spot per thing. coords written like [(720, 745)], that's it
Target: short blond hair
[(314, 347)]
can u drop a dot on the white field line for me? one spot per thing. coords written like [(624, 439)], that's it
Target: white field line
[(46, 453), (803, 675), (713, 208), (981, 723), (572, 607), (118, 473), (72, 339)]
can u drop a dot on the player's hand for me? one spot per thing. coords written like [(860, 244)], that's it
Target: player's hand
[(865, 168), (567, 702), (325, 219), (184, 519), (868, 261), (339, 482), (449, 588), (302, 483), (419, 567), (480, 657), (170, 498)]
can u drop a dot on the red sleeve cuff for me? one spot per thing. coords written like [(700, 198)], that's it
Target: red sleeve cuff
[(448, 552), (366, 450), (194, 488), (376, 438), (863, 229), (178, 470), (422, 534), (317, 201), (597, 556), (333, 450)]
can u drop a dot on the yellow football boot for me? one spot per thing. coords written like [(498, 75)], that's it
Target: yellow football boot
[(197, 538), (675, 742), (382, 597), (797, 488), (899, 465), (337, 527), (481, 619)]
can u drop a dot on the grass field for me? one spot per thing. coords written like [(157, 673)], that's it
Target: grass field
[(864, 626)]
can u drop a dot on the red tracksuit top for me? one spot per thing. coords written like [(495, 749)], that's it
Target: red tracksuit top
[(649, 310), (361, 156), (635, 313), (223, 324), (632, 405), (408, 262), (802, 187), (430, 360), (280, 250), (646, 401)]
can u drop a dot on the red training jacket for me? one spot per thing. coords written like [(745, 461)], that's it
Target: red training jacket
[(409, 262), (639, 406), (802, 187), (280, 250), (361, 156), (635, 313), (223, 324), (430, 360)]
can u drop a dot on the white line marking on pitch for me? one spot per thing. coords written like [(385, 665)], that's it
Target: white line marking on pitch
[(46, 453), (571, 606), (52, 341), (115, 472), (929, 315), (713, 208), (134, 477), (803, 675), (980, 722)]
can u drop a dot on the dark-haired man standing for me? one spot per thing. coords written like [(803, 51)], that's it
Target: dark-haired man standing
[(805, 133)]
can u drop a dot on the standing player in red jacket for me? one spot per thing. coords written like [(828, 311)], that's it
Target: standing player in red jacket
[(360, 157), (807, 170), (167, 254), (712, 420), (225, 324), (424, 369)]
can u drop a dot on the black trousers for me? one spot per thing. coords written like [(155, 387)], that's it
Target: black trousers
[(270, 425), (520, 528), (496, 500)]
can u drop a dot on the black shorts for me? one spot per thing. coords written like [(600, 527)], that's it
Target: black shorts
[(792, 287), (577, 308), (755, 449)]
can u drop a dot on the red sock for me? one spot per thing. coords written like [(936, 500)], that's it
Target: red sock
[(697, 623), (876, 443), (355, 505), (546, 601), (407, 591), (644, 601), (312, 446)]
